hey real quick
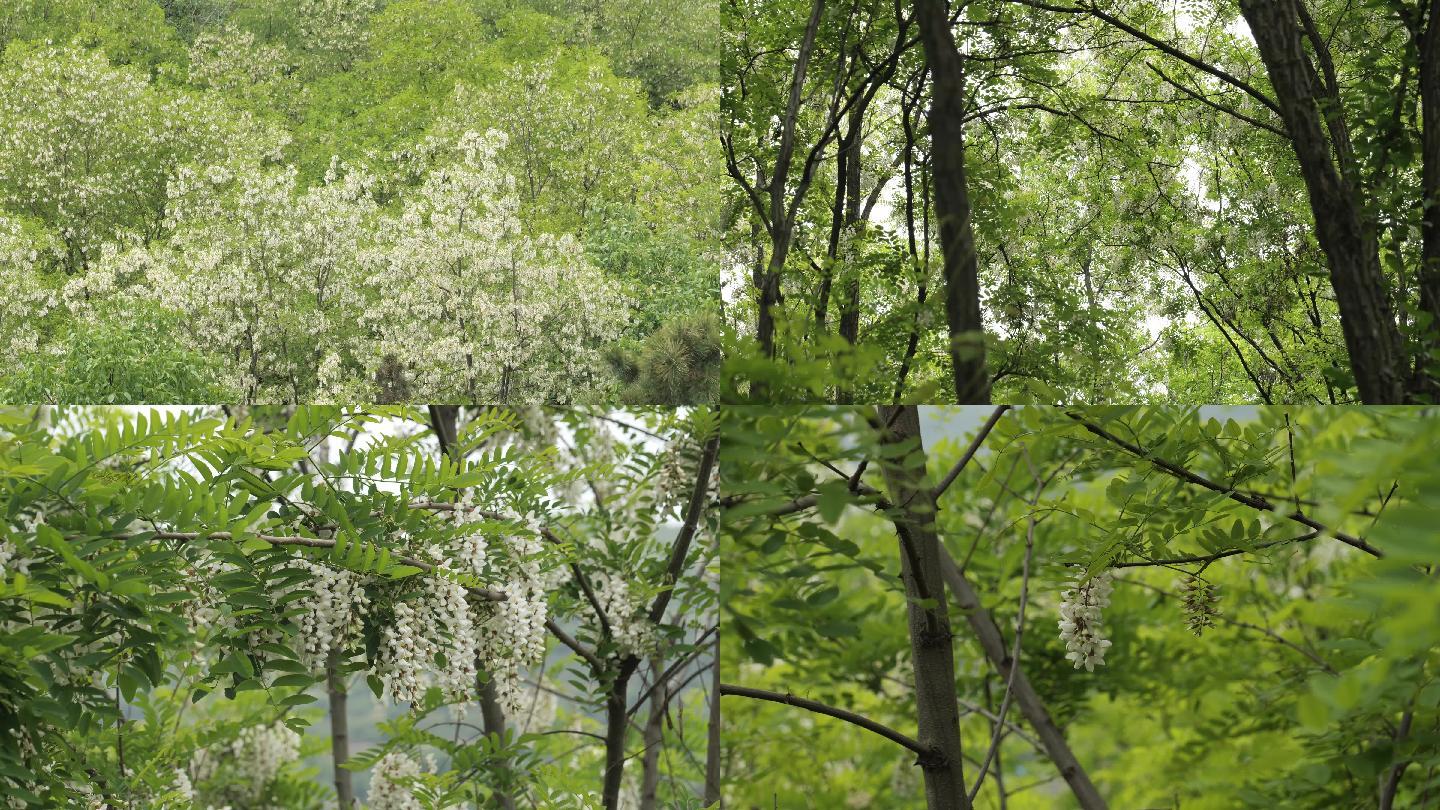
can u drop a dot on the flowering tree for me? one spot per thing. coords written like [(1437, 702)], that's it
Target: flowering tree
[(178, 589), (86, 149), (345, 200), (478, 308), (1131, 601)]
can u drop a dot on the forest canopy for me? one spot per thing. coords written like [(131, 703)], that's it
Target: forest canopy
[(1036, 200), (340, 200)]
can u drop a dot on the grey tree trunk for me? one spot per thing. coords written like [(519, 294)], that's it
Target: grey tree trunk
[(616, 725), (782, 217), (494, 719), (712, 752), (339, 731), (952, 203), (931, 642), (654, 731)]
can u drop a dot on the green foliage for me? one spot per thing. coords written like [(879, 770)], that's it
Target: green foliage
[(677, 365), (1142, 229), (166, 578), (1317, 655), (124, 356)]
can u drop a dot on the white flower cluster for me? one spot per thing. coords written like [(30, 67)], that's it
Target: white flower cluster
[(472, 550), (1080, 620), (386, 789), (10, 553), (513, 633), (674, 480), (437, 623), (7, 553), (231, 59), (632, 630), (255, 758), (182, 784), (337, 30), (333, 616), (259, 752)]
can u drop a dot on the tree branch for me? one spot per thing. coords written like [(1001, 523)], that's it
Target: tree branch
[(969, 452), (1259, 504), (829, 711)]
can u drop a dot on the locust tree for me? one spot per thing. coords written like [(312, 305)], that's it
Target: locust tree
[(1043, 607), (182, 589)]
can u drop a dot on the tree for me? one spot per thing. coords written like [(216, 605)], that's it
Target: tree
[(171, 611), (346, 200), (1138, 208), (1246, 591)]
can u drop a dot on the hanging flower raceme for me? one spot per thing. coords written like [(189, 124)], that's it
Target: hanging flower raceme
[(513, 631), (437, 623), (333, 616), (387, 788), (1080, 620), (1200, 599), (633, 631)]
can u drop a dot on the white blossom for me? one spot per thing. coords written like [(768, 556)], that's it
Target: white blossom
[(387, 788), (1080, 620), (333, 616)]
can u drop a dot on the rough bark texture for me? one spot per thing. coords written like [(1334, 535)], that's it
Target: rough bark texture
[(931, 643), (1372, 336), (339, 732), (952, 203), (1029, 701)]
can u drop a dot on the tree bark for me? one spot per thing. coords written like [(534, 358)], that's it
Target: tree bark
[(654, 730), (493, 716), (339, 731), (1372, 335), (782, 222), (712, 741), (931, 642), (616, 725), (952, 204)]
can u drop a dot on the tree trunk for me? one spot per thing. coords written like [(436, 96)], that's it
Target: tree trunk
[(952, 204), (1372, 336), (616, 724), (782, 222), (1031, 705), (444, 422), (654, 730), (931, 643), (339, 731), (712, 748), (493, 716)]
